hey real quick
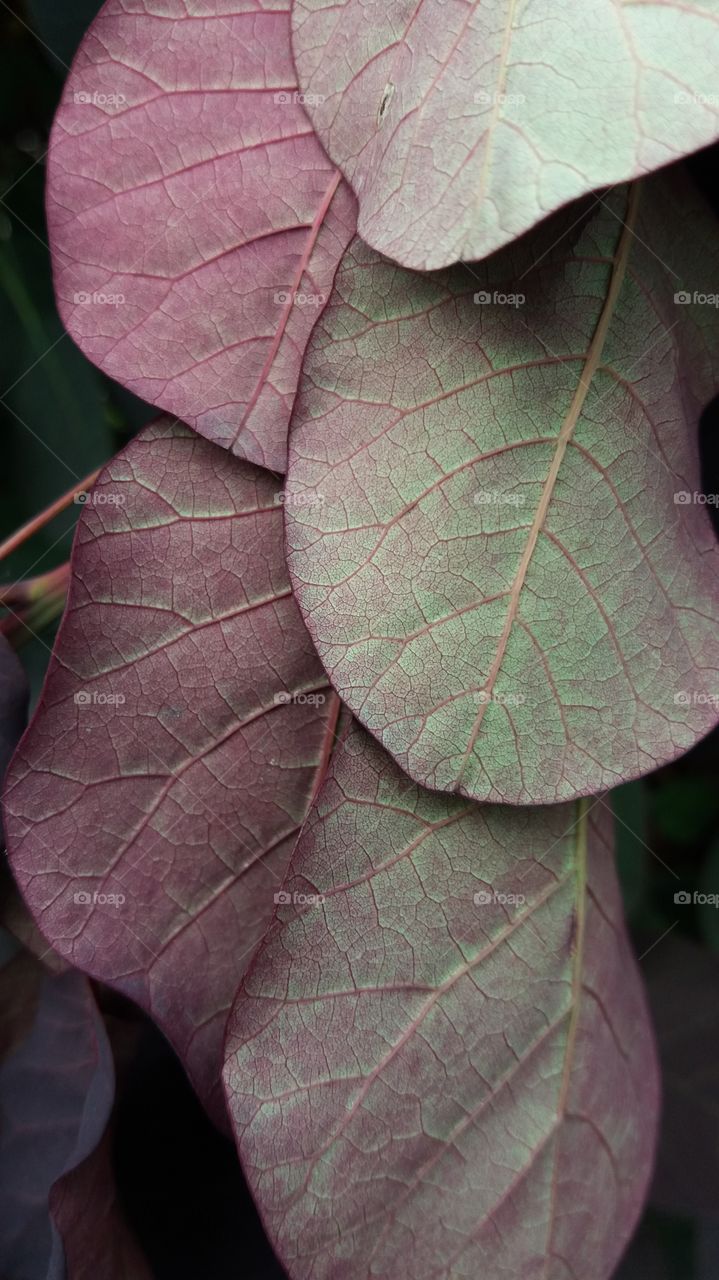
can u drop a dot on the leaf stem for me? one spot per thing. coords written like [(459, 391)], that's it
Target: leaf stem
[(39, 521)]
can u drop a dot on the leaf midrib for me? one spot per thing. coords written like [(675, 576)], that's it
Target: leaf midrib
[(577, 987), (581, 854), (589, 369)]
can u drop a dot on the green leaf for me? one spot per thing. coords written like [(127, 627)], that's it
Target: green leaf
[(493, 514)]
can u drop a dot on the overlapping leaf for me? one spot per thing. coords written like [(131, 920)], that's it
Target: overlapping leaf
[(56, 1092), (440, 1062), (195, 221), (498, 542), (460, 124), (153, 804)]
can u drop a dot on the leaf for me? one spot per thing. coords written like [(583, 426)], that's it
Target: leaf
[(445, 1067), (56, 1091), (492, 516), (681, 983), (461, 125), (153, 805), (195, 221)]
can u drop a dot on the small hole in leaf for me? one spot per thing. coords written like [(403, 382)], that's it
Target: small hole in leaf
[(384, 104)]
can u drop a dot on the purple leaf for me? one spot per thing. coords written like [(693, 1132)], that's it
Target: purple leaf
[(440, 1062), (460, 125), (157, 795), (195, 221), (56, 1092), (494, 526)]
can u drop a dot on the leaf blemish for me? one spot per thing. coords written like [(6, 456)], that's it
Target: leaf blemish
[(384, 104)]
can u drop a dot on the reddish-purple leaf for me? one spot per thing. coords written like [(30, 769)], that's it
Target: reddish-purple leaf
[(444, 1068), (56, 1092), (460, 124), (153, 804), (495, 534), (195, 221)]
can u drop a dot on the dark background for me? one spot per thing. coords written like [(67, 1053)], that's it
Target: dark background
[(60, 419)]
